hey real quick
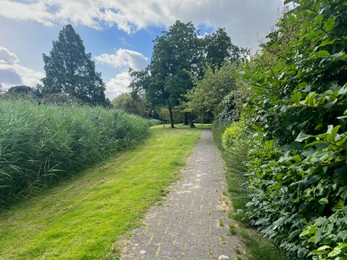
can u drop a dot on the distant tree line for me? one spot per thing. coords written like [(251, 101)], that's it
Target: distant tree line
[(179, 76)]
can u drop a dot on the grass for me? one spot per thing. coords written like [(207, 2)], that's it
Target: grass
[(82, 217), (258, 248)]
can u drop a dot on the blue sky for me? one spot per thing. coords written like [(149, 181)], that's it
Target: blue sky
[(118, 33)]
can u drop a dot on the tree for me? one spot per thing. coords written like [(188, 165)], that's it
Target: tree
[(21, 90), (168, 77), (70, 70), (208, 92), (132, 104), (218, 49)]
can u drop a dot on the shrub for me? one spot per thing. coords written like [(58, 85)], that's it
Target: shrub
[(298, 179)]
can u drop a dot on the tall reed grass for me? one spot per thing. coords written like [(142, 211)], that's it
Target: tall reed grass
[(40, 144)]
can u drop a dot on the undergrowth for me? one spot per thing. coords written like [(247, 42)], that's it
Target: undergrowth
[(235, 142)]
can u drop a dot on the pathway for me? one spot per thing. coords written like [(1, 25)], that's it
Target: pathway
[(193, 222)]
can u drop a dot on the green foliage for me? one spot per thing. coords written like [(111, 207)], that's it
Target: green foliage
[(61, 99), (131, 103), (209, 91), (237, 142), (70, 70), (236, 145), (299, 100), (219, 49), (40, 144), (20, 90), (179, 56), (167, 78), (154, 122)]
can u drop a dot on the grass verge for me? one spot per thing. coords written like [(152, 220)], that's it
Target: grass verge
[(82, 217), (235, 145)]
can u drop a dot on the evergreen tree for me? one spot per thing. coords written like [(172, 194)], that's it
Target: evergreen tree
[(70, 70)]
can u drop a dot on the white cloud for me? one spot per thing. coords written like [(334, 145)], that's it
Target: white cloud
[(12, 73), (243, 20), (118, 85), (123, 58), (7, 57)]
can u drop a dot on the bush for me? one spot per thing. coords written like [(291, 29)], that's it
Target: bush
[(40, 144), (298, 178), (236, 143)]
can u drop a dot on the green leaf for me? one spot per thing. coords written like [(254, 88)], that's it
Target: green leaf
[(323, 201), (336, 251), (327, 42), (322, 54), (321, 250), (301, 137), (296, 97), (325, 247), (332, 132), (343, 90), (329, 24)]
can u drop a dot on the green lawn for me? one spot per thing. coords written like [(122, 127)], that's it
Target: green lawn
[(82, 217)]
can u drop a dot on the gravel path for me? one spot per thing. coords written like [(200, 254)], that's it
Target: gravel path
[(193, 222)]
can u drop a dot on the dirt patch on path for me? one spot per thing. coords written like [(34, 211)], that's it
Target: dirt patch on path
[(193, 221)]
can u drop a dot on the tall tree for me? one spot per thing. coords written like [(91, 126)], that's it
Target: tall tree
[(168, 77), (70, 70), (219, 49)]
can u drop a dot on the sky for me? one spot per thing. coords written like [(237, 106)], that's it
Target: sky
[(118, 33)]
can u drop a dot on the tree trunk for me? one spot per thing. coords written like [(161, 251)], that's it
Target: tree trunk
[(191, 123), (171, 117), (186, 120)]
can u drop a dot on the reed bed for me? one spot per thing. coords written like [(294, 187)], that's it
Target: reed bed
[(40, 144)]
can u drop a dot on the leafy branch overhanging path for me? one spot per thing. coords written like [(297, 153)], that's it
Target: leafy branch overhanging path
[(192, 223)]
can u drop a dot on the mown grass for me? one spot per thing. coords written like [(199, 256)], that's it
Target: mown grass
[(82, 217)]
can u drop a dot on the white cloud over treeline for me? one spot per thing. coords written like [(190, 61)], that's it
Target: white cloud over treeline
[(123, 58), (243, 20)]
